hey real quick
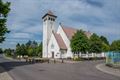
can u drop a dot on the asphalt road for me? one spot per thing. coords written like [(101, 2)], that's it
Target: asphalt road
[(86, 70)]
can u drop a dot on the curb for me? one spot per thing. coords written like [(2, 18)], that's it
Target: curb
[(108, 70), (65, 61), (4, 75)]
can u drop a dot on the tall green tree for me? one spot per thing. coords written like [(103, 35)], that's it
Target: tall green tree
[(28, 43), (115, 46), (79, 43), (8, 52), (23, 50), (34, 44), (95, 44), (105, 47), (105, 44), (4, 10), (104, 39), (30, 52), (39, 50), (18, 49)]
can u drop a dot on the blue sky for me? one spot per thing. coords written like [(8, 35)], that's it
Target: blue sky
[(25, 23)]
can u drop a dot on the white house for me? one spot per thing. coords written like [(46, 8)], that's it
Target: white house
[(56, 44)]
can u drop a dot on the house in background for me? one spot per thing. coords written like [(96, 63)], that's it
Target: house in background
[(56, 44)]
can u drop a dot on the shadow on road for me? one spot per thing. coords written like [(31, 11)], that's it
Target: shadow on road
[(11, 65)]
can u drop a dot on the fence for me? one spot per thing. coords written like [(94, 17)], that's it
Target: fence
[(92, 55)]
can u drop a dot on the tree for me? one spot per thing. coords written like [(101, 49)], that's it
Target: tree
[(31, 48), (95, 44), (79, 42), (23, 50), (1, 51), (105, 47), (4, 10), (30, 52), (115, 46), (18, 49), (104, 39), (34, 44), (105, 44), (28, 43), (39, 50), (8, 52)]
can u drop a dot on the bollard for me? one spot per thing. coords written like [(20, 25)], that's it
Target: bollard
[(62, 61), (54, 61), (48, 61)]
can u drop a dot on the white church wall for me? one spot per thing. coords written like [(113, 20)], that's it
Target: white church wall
[(66, 41), (53, 47)]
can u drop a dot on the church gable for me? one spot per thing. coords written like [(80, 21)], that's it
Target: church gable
[(60, 41), (69, 31), (52, 42), (57, 41)]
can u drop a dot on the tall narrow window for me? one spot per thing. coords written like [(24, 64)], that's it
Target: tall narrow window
[(49, 18), (52, 46)]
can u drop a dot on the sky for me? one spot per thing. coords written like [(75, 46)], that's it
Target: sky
[(97, 16)]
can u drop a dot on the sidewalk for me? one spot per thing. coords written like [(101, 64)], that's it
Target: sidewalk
[(102, 67), (4, 75)]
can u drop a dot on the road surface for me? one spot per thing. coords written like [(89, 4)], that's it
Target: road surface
[(86, 70)]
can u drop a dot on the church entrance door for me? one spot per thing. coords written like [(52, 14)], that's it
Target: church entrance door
[(52, 54)]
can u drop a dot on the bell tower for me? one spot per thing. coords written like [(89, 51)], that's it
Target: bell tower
[(48, 27)]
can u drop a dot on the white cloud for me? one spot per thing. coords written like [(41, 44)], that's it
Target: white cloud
[(22, 35), (34, 29)]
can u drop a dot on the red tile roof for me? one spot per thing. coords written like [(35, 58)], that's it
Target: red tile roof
[(60, 41), (71, 31)]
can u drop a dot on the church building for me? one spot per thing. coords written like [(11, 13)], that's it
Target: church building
[(56, 43)]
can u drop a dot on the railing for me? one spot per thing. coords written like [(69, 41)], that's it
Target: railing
[(92, 55)]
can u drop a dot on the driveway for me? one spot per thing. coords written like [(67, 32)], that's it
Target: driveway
[(86, 70)]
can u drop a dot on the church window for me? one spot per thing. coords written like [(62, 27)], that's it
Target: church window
[(52, 46), (49, 18)]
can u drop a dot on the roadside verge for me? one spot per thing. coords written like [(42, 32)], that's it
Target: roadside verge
[(102, 67), (4, 75)]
